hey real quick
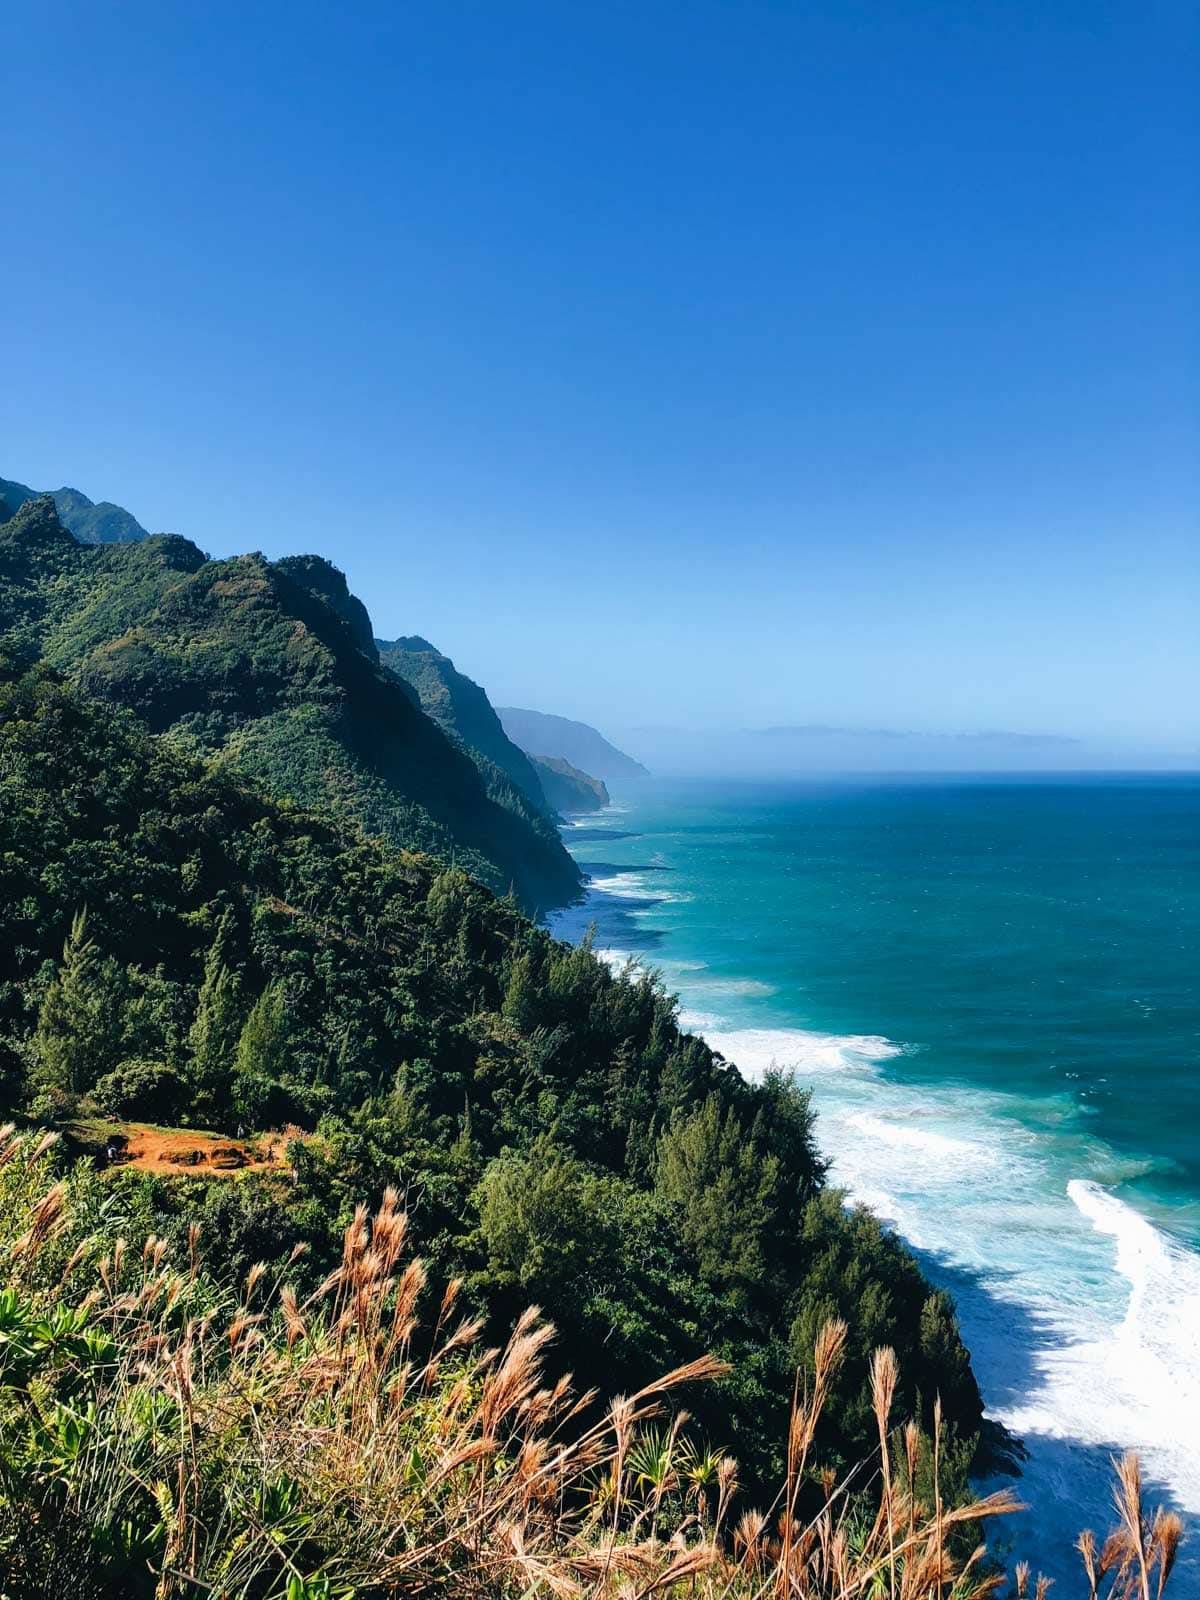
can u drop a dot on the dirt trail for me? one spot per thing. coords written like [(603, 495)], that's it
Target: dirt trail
[(183, 1150)]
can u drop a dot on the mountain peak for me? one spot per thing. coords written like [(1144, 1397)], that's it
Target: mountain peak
[(415, 643), (321, 578), (35, 527), (91, 521)]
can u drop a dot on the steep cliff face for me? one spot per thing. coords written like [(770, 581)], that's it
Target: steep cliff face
[(568, 789), (322, 579), (583, 746), (460, 706)]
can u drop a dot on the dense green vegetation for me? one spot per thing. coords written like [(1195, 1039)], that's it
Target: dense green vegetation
[(254, 877), (568, 789), (269, 667), (186, 948)]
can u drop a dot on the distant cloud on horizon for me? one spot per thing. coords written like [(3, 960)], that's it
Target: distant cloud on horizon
[(816, 730), (824, 730), (781, 749)]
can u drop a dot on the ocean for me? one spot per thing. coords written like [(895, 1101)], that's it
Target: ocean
[(993, 988)]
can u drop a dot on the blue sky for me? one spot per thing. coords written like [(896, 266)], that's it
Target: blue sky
[(733, 364)]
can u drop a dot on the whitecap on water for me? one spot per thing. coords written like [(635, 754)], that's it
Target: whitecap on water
[(733, 988), (755, 1050), (1081, 1350), (952, 1158), (698, 1021)]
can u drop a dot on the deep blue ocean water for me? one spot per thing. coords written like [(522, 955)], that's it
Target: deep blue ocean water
[(994, 989)]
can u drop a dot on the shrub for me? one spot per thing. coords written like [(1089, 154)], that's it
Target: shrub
[(146, 1091)]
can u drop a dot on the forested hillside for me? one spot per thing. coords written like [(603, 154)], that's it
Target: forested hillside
[(185, 949), (270, 668), (253, 876)]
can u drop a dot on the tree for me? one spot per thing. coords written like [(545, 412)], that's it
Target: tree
[(947, 1366), (784, 1125), (520, 992), (77, 1037), (448, 899), (542, 1219), (216, 1027), (262, 1043), (724, 1186), (150, 1091), (262, 1058)]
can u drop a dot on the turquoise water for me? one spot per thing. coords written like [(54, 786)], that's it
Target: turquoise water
[(994, 990)]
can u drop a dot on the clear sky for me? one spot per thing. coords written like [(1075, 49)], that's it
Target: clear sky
[(665, 363)]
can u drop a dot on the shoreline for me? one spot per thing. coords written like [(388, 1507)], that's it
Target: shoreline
[(1070, 1386)]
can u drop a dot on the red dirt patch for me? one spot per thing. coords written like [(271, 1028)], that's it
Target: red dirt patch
[(182, 1150)]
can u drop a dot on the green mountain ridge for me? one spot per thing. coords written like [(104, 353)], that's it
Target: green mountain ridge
[(92, 522), (270, 668), (461, 707), (222, 808)]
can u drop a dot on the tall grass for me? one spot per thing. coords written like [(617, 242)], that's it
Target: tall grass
[(162, 1435)]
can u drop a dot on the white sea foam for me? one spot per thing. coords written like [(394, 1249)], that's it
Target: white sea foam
[(624, 885), (755, 1050), (618, 960), (607, 814), (1151, 1358), (635, 885), (1081, 1350), (731, 988), (951, 1159), (698, 1021)]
